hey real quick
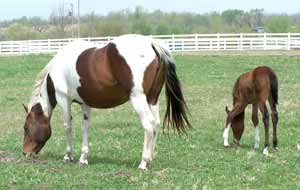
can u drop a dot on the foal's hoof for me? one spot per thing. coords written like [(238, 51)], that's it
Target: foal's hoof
[(68, 158), (266, 152), (83, 162), (226, 144), (145, 167)]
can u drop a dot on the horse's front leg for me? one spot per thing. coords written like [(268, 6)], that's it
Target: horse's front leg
[(66, 109), (86, 110), (141, 106)]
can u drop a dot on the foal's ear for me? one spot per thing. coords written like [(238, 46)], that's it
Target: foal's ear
[(227, 110), (25, 108)]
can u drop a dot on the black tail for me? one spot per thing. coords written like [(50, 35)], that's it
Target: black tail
[(274, 87), (176, 113)]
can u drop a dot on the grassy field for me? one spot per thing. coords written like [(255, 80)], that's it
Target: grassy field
[(196, 161)]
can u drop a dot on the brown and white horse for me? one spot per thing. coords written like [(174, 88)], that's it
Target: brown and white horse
[(254, 87), (131, 67)]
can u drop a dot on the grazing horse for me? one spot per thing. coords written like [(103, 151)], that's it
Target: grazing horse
[(254, 87), (131, 67)]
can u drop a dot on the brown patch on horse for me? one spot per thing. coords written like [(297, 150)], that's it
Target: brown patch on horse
[(153, 82), (37, 130), (51, 92), (105, 77), (254, 87)]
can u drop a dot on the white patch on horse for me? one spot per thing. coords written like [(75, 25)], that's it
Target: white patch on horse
[(266, 151), (225, 135), (138, 56), (64, 72)]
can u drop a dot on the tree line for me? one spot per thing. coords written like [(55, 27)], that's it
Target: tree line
[(139, 20)]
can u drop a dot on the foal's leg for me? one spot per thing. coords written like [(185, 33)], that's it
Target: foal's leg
[(139, 103), (238, 108), (155, 112), (66, 109), (264, 110), (274, 115), (86, 110), (255, 124)]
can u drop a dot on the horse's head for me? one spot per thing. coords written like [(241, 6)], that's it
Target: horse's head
[(237, 125), (37, 130)]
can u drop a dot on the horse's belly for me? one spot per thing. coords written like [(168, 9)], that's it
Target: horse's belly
[(104, 97)]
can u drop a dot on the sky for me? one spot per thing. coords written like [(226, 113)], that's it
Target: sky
[(10, 9)]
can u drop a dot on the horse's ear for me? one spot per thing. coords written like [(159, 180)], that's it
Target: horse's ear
[(227, 110), (25, 108)]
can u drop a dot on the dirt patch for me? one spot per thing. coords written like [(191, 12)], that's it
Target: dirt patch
[(8, 157)]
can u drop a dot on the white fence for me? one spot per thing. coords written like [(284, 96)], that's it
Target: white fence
[(177, 43)]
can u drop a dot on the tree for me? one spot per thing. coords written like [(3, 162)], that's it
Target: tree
[(278, 24)]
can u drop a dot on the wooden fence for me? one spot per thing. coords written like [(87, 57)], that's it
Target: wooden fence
[(177, 43)]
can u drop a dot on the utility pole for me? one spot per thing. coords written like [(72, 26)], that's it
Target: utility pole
[(71, 14), (78, 6)]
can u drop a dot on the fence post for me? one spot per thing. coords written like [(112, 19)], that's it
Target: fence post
[(48, 45), (173, 42), (241, 42), (218, 41), (196, 38), (265, 41), (289, 42)]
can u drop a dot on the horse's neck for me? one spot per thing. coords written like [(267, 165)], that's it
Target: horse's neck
[(43, 99)]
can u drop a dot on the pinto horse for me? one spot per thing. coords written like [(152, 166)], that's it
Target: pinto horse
[(131, 67), (254, 87)]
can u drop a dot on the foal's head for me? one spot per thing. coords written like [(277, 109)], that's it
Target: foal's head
[(37, 130), (237, 125)]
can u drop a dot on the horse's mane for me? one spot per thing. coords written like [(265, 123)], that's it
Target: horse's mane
[(38, 85), (235, 89)]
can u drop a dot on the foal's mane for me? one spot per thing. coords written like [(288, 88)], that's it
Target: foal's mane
[(235, 88), (38, 85)]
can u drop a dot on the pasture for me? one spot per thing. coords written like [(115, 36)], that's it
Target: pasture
[(195, 161)]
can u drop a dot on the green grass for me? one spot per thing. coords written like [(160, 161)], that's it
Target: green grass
[(197, 161)]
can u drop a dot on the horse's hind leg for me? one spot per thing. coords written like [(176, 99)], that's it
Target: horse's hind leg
[(255, 124), (142, 108), (274, 115), (86, 110), (264, 110), (155, 112)]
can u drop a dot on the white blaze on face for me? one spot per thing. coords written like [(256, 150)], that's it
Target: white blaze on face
[(225, 135)]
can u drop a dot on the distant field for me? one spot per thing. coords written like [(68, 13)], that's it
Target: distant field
[(197, 161)]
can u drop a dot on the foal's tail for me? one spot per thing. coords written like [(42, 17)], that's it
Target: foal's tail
[(176, 107), (274, 86)]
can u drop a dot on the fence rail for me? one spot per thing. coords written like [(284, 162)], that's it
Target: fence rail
[(176, 43)]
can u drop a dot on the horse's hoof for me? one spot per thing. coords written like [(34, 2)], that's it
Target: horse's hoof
[(256, 146), (145, 167), (83, 162), (266, 152), (276, 148), (68, 158), (226, 144)]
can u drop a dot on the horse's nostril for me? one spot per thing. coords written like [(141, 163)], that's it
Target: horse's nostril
[(24, 153)]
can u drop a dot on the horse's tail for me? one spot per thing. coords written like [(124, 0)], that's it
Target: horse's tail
[(176, 113), (274, 86)]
